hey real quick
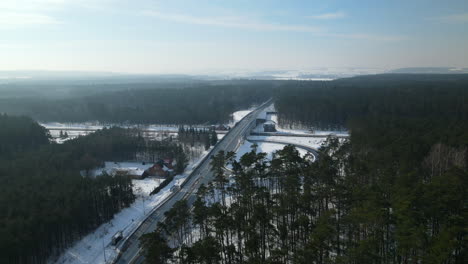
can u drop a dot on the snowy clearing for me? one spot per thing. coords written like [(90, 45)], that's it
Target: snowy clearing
[(268, 148), (136, 168), (237, 116), (97, 126), (304, 141)]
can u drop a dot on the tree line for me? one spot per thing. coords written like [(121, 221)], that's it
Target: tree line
[(193, 136), (172, 105), (333, 105)]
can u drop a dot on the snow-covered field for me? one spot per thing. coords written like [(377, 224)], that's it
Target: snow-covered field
[(135, 168), (268, 148), (151, 134), (304, 141), (334, 132), (71, 134), (237, 116), (92, 248), (97, 125), (156, 132)]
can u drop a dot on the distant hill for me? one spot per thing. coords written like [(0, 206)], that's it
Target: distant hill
[(431, 70), (77, 77), (364, 80)]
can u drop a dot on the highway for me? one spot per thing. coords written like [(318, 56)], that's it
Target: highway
[(130, 251)]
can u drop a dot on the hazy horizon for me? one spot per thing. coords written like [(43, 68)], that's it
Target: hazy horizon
[(206, 37)]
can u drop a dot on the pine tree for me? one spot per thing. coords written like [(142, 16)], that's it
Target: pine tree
[(213, 138), (156, 248)]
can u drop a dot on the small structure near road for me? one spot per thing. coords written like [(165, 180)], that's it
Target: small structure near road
[(269, 126), (129, 172), (220, 128), (117, 237), (162, 168)]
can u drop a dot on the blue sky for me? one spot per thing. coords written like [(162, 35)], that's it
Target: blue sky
[(149, 36)]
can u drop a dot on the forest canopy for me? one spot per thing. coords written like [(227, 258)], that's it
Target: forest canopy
[(138, 104)]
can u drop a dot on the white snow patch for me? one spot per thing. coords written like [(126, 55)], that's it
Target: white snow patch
[(304, 141), (237, 116), (97, 126), (145, 186), (332, 132), (134, 168), (220, 136), (268, 148)]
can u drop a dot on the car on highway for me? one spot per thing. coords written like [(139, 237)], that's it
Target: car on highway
[(175, 188)]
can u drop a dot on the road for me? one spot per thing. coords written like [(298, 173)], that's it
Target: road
[(130, 250)]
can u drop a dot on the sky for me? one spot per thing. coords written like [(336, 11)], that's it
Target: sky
[(196, 37)]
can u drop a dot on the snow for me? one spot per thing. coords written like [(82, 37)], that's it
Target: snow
[(334, 132), (90, 248), (312, 142), (268, 148), (294, 131), (134, 168), (320, 73), (153, 131), (220, 136), (149, 131), (237, 116), (97, 126), (74, 133), (145, 186), (71, 134)]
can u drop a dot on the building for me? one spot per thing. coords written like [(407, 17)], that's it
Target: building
[(269, 126), (220, 128), (168, 163), (127, 172), (259, 121), (162, 168)]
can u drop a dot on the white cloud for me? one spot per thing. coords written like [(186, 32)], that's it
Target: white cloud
[(13, 19), (239, 22), (26, 13), (232, 22), (454, 18), (327, 16), (30, 5), (369, 37)]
